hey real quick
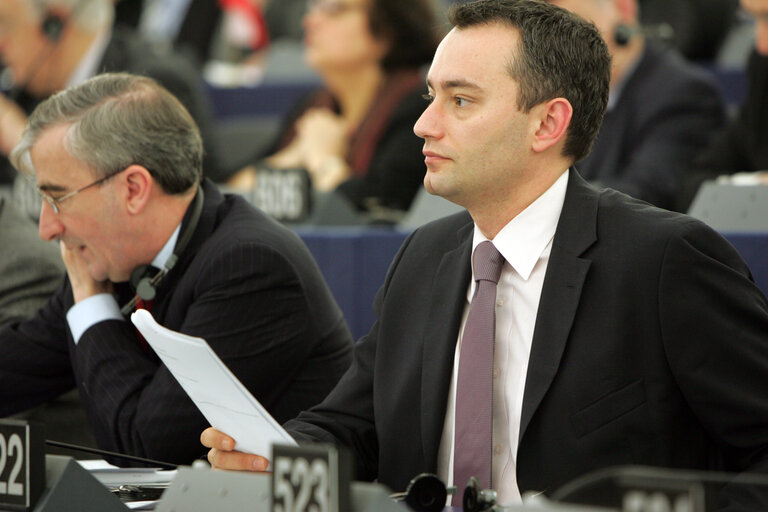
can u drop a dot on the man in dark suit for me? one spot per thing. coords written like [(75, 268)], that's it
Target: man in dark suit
[(662, 113), (624, 334), (117, 161), (52, 44)]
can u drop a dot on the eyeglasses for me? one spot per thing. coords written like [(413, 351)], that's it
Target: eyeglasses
[(56, 201), (332, 7)]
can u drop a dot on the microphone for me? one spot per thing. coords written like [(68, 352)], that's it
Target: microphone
[(87, 449), (623, 33)]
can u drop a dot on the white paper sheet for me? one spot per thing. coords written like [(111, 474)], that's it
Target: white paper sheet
[(110, 475), (227, 405)]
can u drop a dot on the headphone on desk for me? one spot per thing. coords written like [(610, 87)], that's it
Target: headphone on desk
[(427, 493), (143, 281)]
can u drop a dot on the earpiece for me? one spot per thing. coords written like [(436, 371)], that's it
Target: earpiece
[(53, 23), (622, 34), (52, 26)]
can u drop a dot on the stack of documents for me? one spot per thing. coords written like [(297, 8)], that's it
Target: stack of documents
[(137, 488), (227, 405)]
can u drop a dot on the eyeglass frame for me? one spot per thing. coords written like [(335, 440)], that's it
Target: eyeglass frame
[(54, 202)]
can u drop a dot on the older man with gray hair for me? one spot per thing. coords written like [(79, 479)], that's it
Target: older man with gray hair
[(117, 161)]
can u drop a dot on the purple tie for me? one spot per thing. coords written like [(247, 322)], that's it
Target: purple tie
[(474, 389)]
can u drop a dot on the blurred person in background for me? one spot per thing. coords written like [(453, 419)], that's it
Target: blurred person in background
[(743, 144), (356, 135), (192, 26), (30, 269), (48, 45), (662, 111)]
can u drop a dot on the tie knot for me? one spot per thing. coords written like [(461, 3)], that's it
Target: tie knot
[(488, 262)]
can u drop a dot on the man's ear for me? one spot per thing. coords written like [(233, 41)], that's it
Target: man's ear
[(552, 120), (137, 188)]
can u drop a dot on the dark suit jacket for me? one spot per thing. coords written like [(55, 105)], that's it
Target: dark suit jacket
[(666, 114), (742, 146), (245, 283), (650, 347)]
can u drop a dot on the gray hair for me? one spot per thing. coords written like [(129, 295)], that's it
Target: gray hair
[(92, 15), (118, 120)]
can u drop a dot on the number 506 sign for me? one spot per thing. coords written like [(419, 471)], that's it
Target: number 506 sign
[(22, 465)]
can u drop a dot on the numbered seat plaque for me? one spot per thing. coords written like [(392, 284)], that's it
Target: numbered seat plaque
[(22, 464)]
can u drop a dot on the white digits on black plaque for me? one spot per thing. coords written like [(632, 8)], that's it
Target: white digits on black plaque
[(300, 477), (3, 454), (283, 488), (15, 446), (319, 473)]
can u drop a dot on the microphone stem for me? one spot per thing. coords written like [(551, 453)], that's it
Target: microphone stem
[(59, 444)]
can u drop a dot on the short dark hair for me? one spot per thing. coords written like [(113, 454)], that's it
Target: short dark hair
[(561, 55), (118, 120), (411, 28)]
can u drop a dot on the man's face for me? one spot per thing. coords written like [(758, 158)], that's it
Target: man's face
[(476, 141), (89, 222), (759, 10), (23, 47)]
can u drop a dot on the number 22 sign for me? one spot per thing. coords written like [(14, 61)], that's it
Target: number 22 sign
[(22, 465)]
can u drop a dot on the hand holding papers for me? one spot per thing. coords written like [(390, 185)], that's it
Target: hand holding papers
[(221, 397)]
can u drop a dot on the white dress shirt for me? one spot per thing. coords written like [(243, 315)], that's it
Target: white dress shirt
[(161, 20), (89, 63), (103, 306), (525, 242)]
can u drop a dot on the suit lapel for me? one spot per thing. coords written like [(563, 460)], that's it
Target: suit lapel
[(447, 303), (566, 271), (205, 226)]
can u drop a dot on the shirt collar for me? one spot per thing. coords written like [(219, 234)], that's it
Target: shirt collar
[(89, 64), (614, 95), (167, 250), (524, 238)]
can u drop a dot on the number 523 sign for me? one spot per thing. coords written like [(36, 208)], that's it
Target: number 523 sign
[(22, 464), (310, 478)]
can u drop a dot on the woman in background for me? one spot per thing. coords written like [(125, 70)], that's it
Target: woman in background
[(356, 134)]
